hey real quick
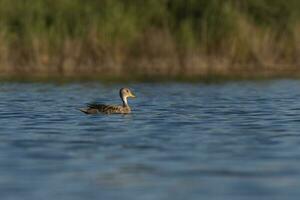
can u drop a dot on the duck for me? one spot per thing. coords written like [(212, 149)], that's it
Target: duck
[(111, 109)]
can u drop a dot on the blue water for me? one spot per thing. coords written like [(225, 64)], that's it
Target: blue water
[(232, 140)]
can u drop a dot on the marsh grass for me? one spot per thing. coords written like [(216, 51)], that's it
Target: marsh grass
[(169, 38)]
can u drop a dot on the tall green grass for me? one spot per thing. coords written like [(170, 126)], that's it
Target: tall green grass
[(165, 37)]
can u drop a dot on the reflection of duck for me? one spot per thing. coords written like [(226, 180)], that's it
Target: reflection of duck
[(111, 109)]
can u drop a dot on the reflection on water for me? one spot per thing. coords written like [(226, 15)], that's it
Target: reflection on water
[(224, 141)]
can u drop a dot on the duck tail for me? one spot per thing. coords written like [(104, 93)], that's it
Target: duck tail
[(84, 110)]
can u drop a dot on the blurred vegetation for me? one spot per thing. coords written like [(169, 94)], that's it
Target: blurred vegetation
[(149, 37)]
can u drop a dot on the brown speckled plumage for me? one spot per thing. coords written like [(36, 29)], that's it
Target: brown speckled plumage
[(111, 109)]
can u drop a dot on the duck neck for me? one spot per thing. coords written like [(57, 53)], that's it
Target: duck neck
[(125, 103)]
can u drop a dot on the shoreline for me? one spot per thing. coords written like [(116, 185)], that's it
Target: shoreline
[(212, 75)]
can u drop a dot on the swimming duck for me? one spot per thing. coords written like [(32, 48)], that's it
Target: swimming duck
[(111, 109)]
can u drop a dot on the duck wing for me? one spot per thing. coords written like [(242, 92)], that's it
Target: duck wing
[(102, 108)]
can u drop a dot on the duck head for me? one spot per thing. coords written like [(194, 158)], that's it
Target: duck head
[(124, 94)]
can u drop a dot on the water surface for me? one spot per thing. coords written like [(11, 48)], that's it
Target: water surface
[(235, 140)]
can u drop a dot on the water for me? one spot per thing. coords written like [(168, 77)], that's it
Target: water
[(235, 140)]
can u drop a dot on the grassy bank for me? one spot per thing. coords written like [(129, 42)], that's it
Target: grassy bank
[(167, 38)]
